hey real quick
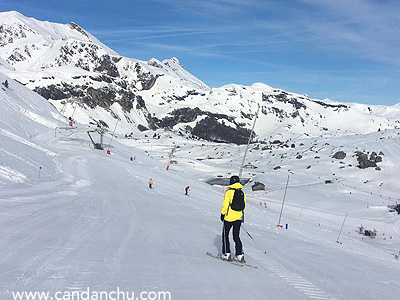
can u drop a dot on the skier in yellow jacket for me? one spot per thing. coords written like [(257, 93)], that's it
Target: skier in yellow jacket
[(232, 215)]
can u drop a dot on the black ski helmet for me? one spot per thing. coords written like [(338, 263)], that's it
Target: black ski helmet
[(234, 179)]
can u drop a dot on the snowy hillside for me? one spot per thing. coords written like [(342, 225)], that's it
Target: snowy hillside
[(89, 221), (88, 81), (25, 115)]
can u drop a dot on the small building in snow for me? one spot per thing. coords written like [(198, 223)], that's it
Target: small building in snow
[(258, 186), (249, 166)]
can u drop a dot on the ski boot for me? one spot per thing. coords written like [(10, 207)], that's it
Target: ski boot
[(226, 256), (239, 258)]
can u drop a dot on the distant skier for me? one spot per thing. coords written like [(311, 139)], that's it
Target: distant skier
[(151, 183), (186, 190), (231, 214), (71, 121)]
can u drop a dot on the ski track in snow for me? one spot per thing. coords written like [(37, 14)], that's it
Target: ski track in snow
[(11, 175), (82, 183), (38, 119), (25, 161), (298, 282), (26, 142)]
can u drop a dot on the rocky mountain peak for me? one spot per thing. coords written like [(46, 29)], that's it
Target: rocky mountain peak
[(172, 60), (79, 29)]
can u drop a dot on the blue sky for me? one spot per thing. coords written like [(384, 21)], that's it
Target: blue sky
[(345, 50)]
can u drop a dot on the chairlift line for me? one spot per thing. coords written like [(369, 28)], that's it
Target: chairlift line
[(248, 142), (62, 111), (73, 114), (113, 133)]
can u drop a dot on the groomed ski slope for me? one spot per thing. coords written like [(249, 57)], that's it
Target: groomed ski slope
[(98, 225), (93, 222)]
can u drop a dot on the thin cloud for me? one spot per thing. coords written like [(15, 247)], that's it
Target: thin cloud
[(364, 28), (194, 51), (186, 29), (211, 8), (359, 28)]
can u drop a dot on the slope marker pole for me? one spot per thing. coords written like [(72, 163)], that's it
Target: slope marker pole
[(283, 201), (337, 240)]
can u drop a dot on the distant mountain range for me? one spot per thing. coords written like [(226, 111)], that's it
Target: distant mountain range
[(86, 80)]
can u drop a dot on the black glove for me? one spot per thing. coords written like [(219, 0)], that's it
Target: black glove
[(222, 217)]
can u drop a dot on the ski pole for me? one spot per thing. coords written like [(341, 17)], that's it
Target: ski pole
[(223, 236), (247, 233), (259, 248)]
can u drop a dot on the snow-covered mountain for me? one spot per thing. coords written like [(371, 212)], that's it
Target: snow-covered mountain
[(78, 220), (90, 82), (68, 66)]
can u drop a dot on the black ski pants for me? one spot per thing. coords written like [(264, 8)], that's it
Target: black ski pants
[(225, 237)]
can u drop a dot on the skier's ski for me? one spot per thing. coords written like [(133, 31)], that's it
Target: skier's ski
[(234, 262)]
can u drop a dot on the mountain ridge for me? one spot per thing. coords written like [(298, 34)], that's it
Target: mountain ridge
[(90, 82)]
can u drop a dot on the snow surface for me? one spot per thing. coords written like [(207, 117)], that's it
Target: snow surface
[(88, 219)]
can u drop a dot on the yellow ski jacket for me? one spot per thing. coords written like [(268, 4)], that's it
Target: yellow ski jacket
[(230, 214)]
